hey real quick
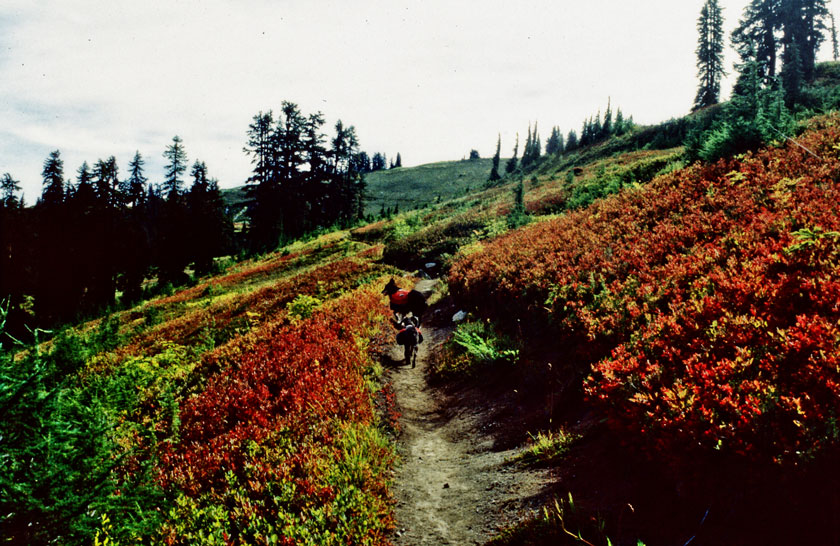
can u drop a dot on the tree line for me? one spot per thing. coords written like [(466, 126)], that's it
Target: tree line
[(777, 43), (100, 234), (87, 238), (594, 129), (769, 31)]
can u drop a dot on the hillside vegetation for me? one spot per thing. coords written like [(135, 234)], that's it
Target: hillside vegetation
[(409, 188), (692, 308), (241, 410)]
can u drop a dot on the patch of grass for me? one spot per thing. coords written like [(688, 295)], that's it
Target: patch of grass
[(563, 524), (415, 187), (548, 447)]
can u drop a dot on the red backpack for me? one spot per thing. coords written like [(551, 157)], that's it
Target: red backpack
[(400, 297)]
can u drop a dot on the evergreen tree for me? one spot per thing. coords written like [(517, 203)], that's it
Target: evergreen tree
[(835, 51), (106, 181), (136, 262), (595, 129), (346, 187), (209, 226), (260, 146), (136, 194), (378, 162), (9, 187), (83, 177), (619, 127), (571, 141), (173, 227), (803, 24), (793, 73), (264, 183), (175, 168), (398, 162), (755, 37), (510, 166), (494, 171), (552, 145), (607, 126), (361, 162), (53, 176), (518, 216)]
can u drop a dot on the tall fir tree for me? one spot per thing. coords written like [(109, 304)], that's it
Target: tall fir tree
[(755, 37), (173, 183), (136, 181), (511, 164), (607, 126), (803, 26), (53, 176), (572, 141), (494, 170), (9, 188), (709, 54), (835, 49)]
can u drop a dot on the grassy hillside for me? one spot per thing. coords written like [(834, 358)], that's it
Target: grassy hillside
[(408, 187), (413, 187)]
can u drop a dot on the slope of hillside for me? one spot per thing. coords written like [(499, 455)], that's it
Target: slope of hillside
[(412, 187), (699, 315), (661, 340), (246, 409)]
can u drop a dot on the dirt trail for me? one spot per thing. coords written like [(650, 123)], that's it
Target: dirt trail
[(453, 485)]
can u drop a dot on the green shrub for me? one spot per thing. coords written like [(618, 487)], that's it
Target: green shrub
[(302, 306), (548, 447), (481, 342)]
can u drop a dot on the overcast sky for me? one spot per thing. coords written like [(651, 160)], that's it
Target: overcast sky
[(430, 80)]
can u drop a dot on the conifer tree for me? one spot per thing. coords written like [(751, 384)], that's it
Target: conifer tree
[(619, 123), (174, 170), (83, 177), (554, 143), (571, 141), (53, 176), (835, 51), (709, 54), (136, 181), (398, 162), (260, 147), (494, 171), (106, 181), (607, 126), (755, 36), (510, 166), (9, 187), (803, 25), (208, 225), (378, 162)]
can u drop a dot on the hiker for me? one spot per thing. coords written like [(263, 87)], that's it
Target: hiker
[(410, 337)]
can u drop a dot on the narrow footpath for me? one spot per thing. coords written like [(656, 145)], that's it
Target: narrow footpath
[(452, 485)]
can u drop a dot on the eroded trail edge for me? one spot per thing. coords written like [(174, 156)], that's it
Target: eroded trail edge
[(453, 485)]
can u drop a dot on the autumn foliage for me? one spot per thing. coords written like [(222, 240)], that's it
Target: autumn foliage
[(706, 302)]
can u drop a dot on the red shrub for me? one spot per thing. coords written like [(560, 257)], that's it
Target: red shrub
[(712, 293), (296, 383)]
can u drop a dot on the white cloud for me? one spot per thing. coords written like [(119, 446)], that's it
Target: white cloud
[(430, 80)]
